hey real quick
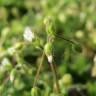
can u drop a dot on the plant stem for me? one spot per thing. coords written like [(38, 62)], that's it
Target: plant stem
[(55, 77), (39, 69)]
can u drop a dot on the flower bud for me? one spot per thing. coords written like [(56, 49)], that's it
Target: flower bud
[(5, 32), (18, 84), (67, 79), (35, 91), (48, 51), (47, 20), (62, 17), (79, 34), (49, 25), (50, 58)]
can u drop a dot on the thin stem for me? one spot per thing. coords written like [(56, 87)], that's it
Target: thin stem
[(73, 42), (39, 69), (55, 76)]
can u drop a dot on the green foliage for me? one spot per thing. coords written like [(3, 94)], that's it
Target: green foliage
[(48, 23)]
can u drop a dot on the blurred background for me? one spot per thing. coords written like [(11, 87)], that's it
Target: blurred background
[(75, 63)]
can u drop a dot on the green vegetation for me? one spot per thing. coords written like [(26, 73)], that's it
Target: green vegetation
[(47, 48)]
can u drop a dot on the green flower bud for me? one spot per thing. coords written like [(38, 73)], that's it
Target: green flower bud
[(35, 91), (67, 79), (18, 83), (49, 30), (49, 25), (47, 20), (79, 34), (48, 49), (5, 32)]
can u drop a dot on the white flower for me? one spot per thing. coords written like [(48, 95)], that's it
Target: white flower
[(4, 62), (28, 34), (50, 58), (11, 50)]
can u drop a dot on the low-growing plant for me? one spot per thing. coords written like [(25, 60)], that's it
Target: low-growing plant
[(47, 48)]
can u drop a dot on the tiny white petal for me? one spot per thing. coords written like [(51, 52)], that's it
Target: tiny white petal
[(28, 34), (50, 58)]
